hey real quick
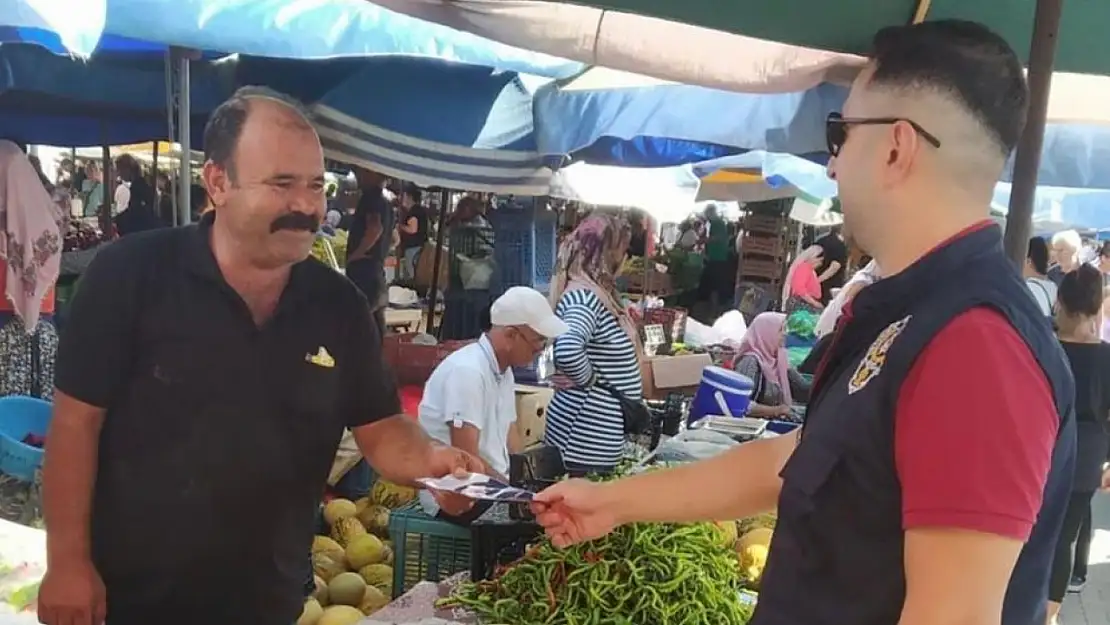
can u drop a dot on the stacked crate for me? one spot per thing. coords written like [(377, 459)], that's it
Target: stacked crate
[(770, 238)]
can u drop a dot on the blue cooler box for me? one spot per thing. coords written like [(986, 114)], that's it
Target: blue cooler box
[(735, 389)]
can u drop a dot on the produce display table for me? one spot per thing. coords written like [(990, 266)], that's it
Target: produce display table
[(418, 606), (22, 565)]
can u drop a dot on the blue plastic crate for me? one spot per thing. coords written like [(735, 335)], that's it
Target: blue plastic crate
[(525, 252)]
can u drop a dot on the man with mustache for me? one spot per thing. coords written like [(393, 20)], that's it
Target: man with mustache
[(202, 389)]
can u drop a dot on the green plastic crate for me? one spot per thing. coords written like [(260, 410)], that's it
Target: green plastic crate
[(425, 548)]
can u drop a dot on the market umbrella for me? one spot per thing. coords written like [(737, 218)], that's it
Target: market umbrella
[(846, 27), (428, 121), (612, 29)]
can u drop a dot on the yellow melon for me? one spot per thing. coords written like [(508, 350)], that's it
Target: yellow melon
[(311, 613), (341, 615), (346, 589), (346, 529), (321, 592), (391, 495), (758, 536), (324, 544), (363, 550), (373, 600), (375, 519), (326, 567), (339, 509)]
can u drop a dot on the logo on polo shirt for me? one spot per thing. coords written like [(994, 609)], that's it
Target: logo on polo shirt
[(875, 357), (321, 358)]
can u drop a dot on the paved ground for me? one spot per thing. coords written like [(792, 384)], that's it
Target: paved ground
[(1092, 606)]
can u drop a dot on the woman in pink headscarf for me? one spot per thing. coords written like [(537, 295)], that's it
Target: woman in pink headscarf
[(762, 357), (30, 257)]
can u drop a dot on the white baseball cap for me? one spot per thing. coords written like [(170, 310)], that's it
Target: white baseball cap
[(522, 306)]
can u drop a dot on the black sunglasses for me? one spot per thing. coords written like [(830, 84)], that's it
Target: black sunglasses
[(836, 129)]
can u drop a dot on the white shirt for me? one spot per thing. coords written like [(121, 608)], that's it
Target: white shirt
[(467, 388), (122, 196), (1044, 293), (826, 323)]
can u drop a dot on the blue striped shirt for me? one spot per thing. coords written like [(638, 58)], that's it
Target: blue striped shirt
[(586, 424)]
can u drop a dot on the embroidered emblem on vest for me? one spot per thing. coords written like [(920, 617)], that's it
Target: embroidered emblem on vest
[(875, 357)]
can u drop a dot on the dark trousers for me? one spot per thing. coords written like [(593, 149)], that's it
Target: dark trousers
[(1082, 547), (1079, 506)]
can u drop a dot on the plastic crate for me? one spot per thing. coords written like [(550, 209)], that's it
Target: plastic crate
[(525, 251), (496, 544), (425, 548)]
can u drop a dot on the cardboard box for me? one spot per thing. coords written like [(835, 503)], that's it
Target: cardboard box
[(531, 412), (673, 372)]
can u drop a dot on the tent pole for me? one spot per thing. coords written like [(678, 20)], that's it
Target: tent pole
[(184, 132), (1042, 56), (433, 292)]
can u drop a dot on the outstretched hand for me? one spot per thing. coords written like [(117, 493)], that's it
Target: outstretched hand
[(445, 460), (575, 511)]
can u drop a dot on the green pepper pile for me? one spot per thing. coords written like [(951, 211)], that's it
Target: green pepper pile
[(643, 574)]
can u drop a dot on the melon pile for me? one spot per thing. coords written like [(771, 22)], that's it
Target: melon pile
[(752, 546), (353, 564)]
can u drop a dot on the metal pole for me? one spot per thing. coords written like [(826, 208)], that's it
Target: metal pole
[(1042, 56), (184, 130), (433, 293)]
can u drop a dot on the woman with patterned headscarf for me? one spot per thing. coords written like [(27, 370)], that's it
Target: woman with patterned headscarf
[(600, 355), (30, 258)]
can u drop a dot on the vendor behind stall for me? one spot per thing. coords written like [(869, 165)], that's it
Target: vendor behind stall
[(469, 401), (763, 358)]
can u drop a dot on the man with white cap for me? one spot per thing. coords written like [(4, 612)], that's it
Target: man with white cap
[(469, 400)]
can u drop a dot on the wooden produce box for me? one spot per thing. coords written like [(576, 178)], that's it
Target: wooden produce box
[(531, 412)]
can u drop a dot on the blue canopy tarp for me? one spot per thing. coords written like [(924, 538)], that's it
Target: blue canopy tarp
[(71, 27), (59, 100), (613, 118), (604, 118), (430, 121)]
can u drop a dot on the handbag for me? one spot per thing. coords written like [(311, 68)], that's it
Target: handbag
[(636, 416)]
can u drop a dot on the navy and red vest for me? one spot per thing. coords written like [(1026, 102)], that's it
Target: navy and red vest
[(837, 555)]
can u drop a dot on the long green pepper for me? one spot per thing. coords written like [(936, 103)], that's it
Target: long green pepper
[(643, 574)]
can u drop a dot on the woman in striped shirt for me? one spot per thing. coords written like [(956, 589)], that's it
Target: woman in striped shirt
[(584, 421)]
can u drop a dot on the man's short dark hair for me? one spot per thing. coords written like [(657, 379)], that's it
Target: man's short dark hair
[(414, 192), (1104, 249), (225, 124), (1038, 255), (129, 164), (964, 59)]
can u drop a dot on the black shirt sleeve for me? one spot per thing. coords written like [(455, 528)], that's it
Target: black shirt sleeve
[(370, 389), (95, 349)]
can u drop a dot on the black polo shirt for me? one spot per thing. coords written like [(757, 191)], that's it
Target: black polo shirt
[(219, 434)]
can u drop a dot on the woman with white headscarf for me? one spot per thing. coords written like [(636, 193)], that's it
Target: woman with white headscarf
[(801, 290), (30, 257)]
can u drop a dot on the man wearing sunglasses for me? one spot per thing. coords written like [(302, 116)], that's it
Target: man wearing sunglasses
[(469, 401), (929, 481)]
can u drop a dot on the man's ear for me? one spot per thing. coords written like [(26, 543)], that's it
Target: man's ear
[(217, 181)]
